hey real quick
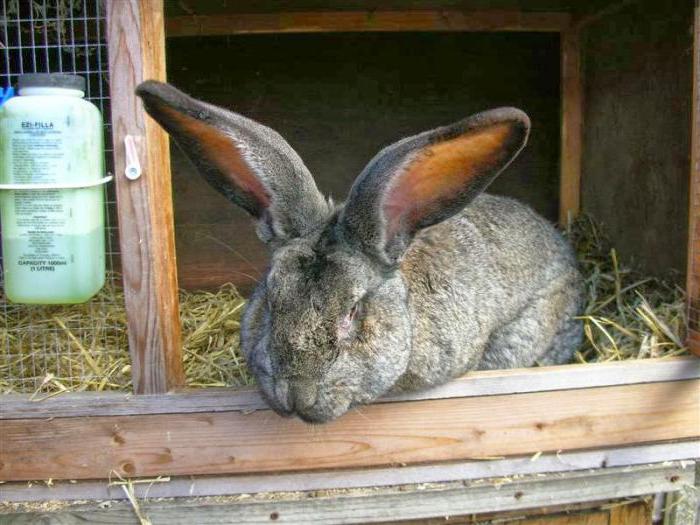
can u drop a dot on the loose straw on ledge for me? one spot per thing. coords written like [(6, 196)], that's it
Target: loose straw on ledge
[(47, 350)]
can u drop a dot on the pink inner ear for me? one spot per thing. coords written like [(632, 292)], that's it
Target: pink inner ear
[(222, 151), (440, 173)]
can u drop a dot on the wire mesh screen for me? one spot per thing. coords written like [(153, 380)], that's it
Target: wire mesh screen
[(50, 348)]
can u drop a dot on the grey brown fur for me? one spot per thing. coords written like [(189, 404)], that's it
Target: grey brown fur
[(349, 310)]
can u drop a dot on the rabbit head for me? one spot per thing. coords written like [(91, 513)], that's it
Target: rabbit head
[(329, 326)]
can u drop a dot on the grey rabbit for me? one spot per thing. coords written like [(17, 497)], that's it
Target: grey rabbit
[(416, 279)]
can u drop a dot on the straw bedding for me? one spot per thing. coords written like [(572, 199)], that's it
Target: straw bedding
[(46, 350)]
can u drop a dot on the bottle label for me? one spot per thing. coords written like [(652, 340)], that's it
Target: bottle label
[(42, 217)]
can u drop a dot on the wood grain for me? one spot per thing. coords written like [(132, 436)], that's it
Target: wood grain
[(350, 21), (137, 53), (693, 269), (571, 126), (196, 486), (586, 518), (638, 514), (384, 506), (477, 383), (378, 435)]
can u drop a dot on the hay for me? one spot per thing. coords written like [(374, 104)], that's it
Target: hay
[(627, 315), (47, 350)]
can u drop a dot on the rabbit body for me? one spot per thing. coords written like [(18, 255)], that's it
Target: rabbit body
[(417, 278), (493, 287)]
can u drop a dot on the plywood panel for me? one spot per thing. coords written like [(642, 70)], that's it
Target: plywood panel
[(637, 70)]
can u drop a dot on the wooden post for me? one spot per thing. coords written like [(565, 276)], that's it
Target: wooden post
[(693, 287), (136, 53), (571, 125)]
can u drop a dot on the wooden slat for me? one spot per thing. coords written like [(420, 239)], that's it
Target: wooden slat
[(350, 21), (378, 435), (137, 53), (479, 383), (571, 126), (374, 507), (195, 486), (693, 287)]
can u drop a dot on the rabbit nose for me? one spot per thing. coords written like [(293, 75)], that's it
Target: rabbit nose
[(302, 394)]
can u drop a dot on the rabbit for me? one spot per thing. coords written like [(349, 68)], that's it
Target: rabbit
[(419, 277)]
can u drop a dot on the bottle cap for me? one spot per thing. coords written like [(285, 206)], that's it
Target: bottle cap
[(51, 80)]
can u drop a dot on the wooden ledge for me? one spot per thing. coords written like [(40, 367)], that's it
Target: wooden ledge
[(390, 434)]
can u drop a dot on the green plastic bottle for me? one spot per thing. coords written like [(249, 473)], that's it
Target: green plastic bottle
[(51, 193)]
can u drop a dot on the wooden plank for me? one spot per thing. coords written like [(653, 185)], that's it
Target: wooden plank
[(478, 383), (353, 21), (137, 53), (571, 126), (622, 513), (693, 270), (197, 486), (373, 507), (518, 516), (377, 435)]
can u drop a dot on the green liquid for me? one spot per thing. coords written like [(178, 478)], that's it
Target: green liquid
[(74, 276)]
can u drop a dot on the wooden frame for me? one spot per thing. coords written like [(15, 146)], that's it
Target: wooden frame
[(147, 241), (566, 418), (571, 125), (154, 337)]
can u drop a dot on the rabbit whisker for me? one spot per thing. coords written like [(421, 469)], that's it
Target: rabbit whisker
[(360, 413), (235, 252)]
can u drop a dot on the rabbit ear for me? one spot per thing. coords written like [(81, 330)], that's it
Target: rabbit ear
[(427, 178), (250, 164)]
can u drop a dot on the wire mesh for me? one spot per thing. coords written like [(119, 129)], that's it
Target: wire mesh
[(76, 345)]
